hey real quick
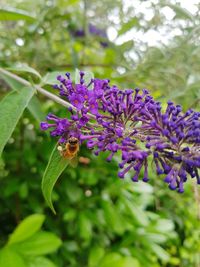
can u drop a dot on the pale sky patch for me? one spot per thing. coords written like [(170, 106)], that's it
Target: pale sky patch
[(151, 37)]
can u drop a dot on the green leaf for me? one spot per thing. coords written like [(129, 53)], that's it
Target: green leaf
[(160, 252), (15, 14), (11, 109), (96, 254), (136, 212), (40, 262), (40, 243), (157, 238), (23, 190), (113, 218), (87, 77), (74, 192), (128, 262), (25, 68), (10, 258), (110, 260), (164, 225), (77, 76), (34, 105), (35, 108), (144, 188), (27, 228), (126, 46), (51, 77), (133, 22), (114, 259), (85, 227), (181, 12), (55, 167)]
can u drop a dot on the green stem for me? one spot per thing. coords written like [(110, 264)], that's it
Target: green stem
[(41, 90), (38, 88)]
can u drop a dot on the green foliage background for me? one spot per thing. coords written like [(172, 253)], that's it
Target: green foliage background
[(100, 219)]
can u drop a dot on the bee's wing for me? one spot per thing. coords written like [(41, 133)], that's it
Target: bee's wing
[(74, 161)]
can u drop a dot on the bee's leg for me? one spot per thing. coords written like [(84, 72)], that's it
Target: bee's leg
[(61, 150)]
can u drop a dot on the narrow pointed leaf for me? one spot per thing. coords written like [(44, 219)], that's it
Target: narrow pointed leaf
[(40, 261), (77, 76), (115, 259), (11, 109), (88, 75), (35, 109), (34, 105), (132, 23), (181, 12), (15, 14), (26, 69), (160, 252), (10, 258), (41, 243), (51, 77), (55, 167), (26, 228)]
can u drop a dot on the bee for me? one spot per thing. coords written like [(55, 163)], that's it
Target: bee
[(70, 150)]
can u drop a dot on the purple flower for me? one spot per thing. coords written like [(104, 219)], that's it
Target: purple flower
[(77, 100), (44, 126), (79, 33), (83, 120), (93, 106), (132, 124), (95, 31)]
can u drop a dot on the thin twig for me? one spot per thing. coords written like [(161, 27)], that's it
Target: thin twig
[(38, 88), (41, 90), (87, 65)]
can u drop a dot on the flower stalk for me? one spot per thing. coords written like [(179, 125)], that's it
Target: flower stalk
[(38, 88)]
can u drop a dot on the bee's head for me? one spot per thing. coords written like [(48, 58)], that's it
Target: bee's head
[(73, 140)]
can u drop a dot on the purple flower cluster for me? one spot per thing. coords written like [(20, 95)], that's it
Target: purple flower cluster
[(95, 31), (132, 123)]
